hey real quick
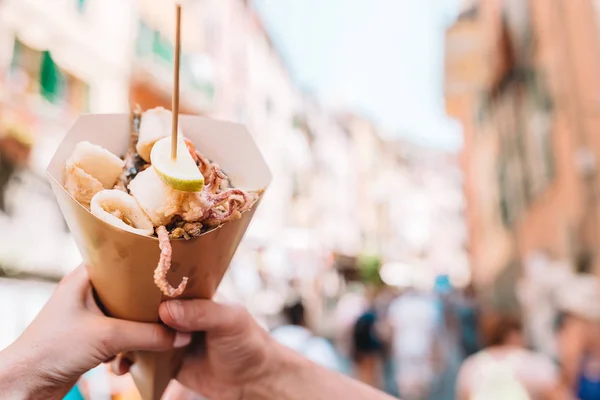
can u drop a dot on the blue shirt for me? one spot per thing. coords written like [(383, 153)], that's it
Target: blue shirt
[(74, 394)]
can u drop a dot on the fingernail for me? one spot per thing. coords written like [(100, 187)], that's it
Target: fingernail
[(182, 339), (175, 309)]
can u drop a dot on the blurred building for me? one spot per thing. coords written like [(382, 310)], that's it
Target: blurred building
[(338, 186), (57, 59), (521, 76), (152, 56), (426, 213), (374, 162), (409, 203)]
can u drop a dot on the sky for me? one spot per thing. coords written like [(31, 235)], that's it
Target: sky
[(380, 57)]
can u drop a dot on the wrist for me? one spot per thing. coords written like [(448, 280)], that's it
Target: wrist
[(14, 378), (280, 364), (23, 375)]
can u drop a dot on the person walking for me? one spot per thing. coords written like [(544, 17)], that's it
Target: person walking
[(506, 369), (578, 335), (297, 336)]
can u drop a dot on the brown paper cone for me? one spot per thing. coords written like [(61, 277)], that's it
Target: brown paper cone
[(121, 264)]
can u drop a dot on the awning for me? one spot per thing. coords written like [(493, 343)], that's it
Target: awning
[(41, 30)]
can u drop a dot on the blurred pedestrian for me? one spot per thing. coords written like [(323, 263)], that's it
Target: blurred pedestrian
[(368, 343), (296, 335), (578, 341), (468, 316), (447, 351), (543, 274), (505, 369), (588, 380), (416, 318), (350, 306)]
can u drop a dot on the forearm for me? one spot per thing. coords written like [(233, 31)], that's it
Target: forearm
[(295, 378), (22, 377)]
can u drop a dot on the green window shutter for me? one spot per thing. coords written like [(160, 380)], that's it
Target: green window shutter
[(162, 47), (50, 79), (80, 5)]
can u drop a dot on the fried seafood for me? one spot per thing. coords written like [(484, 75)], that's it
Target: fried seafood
[(130, 194), (90, 169), (81, 185), (133, 162), (121, 210), (158, 200), (164, 264)]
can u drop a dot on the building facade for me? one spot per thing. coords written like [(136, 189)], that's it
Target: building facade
[(152, 56), (520, 78), (57, 59)]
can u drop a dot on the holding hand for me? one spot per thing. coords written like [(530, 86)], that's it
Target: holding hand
[(227, 361), (234, 358), (69, 337)]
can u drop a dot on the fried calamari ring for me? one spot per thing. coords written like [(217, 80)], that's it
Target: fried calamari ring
[(164, 264)]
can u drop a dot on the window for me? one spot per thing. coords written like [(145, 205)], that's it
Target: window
[(151, 43), (162, 47), (51, 79), (43, 75), (511, 168), (27, 60), (537, 123)]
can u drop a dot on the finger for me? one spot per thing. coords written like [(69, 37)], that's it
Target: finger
[(109, 360), (129, 336), (121, 365), (78, 281), (200, 315), (91, 303)]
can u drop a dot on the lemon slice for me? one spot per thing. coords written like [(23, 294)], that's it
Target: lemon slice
[(180, 174)]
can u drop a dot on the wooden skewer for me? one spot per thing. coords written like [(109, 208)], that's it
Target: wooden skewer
[(175, 106)]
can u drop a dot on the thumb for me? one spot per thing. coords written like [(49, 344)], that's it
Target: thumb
[(130, 336), (202, 315)]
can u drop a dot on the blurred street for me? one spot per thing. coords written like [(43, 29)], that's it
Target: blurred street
[(379, 250)]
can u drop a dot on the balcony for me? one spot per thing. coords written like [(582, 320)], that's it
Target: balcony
[(83, 46), (154, 63)]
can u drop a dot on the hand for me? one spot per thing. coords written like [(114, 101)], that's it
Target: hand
[(69, 337), (236, 359), (232, 355)]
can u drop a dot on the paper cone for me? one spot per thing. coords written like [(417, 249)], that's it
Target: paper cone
[(121, 264)]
